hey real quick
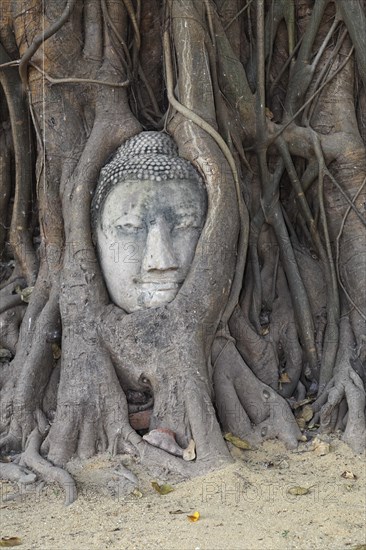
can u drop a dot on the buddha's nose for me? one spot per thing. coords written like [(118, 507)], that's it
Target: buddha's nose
[(159, 253)]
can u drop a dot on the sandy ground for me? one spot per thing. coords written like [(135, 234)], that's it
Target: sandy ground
[(244, 506)]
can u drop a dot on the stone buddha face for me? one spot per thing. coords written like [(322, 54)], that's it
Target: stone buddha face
[(146, 237)]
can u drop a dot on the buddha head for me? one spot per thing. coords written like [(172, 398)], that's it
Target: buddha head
[(147, 215)]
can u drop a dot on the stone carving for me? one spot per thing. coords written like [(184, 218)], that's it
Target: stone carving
[(147, 215)]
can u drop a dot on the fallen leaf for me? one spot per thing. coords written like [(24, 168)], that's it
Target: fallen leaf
[(136, 493), (298, 491), (25, 293), (303, 402), (6, 542), (348, 475), (268, 113), (240, 443), (194, 517), (301, 422), (320, 447), (190, 452), (284, 378), (56, 351), (307, 413), (162, 489), (6, 459), (283, 465)]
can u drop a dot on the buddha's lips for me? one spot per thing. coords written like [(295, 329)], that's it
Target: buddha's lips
[(155, 286)]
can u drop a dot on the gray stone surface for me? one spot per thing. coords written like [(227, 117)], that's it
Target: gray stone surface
[(148, 212)]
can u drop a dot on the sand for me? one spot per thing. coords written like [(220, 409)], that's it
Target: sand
[(243, 506)]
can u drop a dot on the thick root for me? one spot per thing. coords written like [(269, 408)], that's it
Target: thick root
[(15, 473), (355, 432), (45, 469), (9, 327), (247, 407), (347, 387)]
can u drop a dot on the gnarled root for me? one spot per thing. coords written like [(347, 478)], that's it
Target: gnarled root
[(32, 459), (347, 387), (165, 439), (186, 407), (16, 473), (9, 327), (247, 407)]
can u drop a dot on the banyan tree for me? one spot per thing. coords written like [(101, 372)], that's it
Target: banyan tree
[(182, 201)]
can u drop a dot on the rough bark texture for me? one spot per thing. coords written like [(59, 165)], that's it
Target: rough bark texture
[(267, 100)]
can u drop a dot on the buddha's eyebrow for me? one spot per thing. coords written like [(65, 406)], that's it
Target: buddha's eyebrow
[(186, 215), (126, 215), (191, 212)]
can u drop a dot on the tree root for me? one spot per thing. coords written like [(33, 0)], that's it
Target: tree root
[(254, 349), (39, 40), (10, 302), (153, 457), (164, 438), (20, 237), (32, 459), (347, 388), (14, 472), (346, 385), (9, 327), (247, 407), (84, 395)]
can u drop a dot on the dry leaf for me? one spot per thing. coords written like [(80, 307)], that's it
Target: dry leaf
[(307, 413), (240, 443), (301, 422), (190, 452), (194, 517), (348, 475), (284, 378), (298, 491), (5, 459), (268, 113), (25, 293), (6, 542), (56, 351), (162, 489), (283, 464), (303, 402), (136, 493), (320, 447)]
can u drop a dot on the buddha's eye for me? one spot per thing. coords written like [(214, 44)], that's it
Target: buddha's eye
[(186, 224), (128, 228)]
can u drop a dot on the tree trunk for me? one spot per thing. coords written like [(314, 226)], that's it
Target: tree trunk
[(266, 101)]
